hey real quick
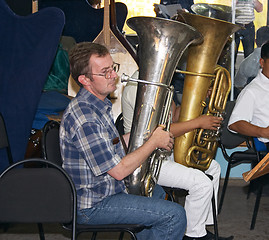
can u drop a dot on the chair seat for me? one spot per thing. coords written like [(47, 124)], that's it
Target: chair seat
[(247, 155)]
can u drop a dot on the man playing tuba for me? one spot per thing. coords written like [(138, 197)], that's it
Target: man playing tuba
[(200, 188), (95, 159)]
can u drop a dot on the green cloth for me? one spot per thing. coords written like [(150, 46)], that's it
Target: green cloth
[(59, 72)]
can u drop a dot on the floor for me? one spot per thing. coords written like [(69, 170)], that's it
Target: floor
[(234, 220)]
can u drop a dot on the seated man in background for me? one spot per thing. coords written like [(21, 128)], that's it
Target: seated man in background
[(95, 159), (250, 66), (250, 115), (200, 188)]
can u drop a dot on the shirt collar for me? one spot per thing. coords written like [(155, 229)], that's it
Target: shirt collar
[(263, 79), (89, 97)]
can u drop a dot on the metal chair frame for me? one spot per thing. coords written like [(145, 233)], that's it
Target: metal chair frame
[(229, 140)]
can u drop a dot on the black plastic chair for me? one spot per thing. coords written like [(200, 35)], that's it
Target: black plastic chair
[(50, 142), (51, 151), (37, 195), (4, 142), (119, 124), (229, 140)]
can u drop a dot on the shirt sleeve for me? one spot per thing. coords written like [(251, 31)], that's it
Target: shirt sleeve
[(128, 105), (243, 109), (96, 146)]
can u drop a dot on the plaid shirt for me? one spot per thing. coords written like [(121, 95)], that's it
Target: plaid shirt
[(86, 137)]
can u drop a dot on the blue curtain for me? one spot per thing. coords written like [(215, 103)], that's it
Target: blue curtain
[(84, 22), (27, 48)]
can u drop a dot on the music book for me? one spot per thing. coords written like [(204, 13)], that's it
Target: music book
[(259, 170)]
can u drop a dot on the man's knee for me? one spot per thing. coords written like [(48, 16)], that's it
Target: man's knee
[(178, 215)]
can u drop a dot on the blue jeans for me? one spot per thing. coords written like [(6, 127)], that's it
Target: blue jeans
[(168, 219), (247, 36)]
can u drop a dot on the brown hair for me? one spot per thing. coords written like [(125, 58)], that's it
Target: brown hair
[(80, 55)]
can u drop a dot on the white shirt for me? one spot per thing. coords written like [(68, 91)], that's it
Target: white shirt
[(128, 104), (252, 104)]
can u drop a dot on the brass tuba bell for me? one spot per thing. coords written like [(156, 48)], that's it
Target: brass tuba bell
[(197, 148)]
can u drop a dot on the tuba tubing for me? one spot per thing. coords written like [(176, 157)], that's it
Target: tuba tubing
[(200, 74), (161, 44)]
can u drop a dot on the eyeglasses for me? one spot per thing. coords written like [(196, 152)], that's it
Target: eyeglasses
[(107, 74)]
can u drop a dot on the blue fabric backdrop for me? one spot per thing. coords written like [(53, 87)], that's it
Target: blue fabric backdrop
[(27, 49), (84, 22)]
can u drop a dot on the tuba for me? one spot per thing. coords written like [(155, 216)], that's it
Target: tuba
[(198, 148), (161, 44)]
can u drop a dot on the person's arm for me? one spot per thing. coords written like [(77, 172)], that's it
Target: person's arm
[(134, 159), (126, 138), (248, 129), (203, 121), (175, 112), (258, 6)]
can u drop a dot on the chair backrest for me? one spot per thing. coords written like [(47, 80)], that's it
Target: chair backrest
[(51, 142), (228, 139), (119, 124), (37, 195), (4, 142)]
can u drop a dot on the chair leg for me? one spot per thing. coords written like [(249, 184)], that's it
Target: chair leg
[(121, 236), (94, 234), (224, 187), (256, 207), (214, 210), (4, 226), (249, 190), (41, 231)]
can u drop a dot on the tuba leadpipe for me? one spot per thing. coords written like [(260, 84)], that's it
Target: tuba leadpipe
[(200, 76), (161, 44)]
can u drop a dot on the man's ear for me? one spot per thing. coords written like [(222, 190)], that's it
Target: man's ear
[(83, 80), (261, 62)]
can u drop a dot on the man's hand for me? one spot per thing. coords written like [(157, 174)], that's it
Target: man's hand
[(159, 139), (162, 139)]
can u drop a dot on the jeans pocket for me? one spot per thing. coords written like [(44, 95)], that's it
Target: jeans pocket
[(84, 215)]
